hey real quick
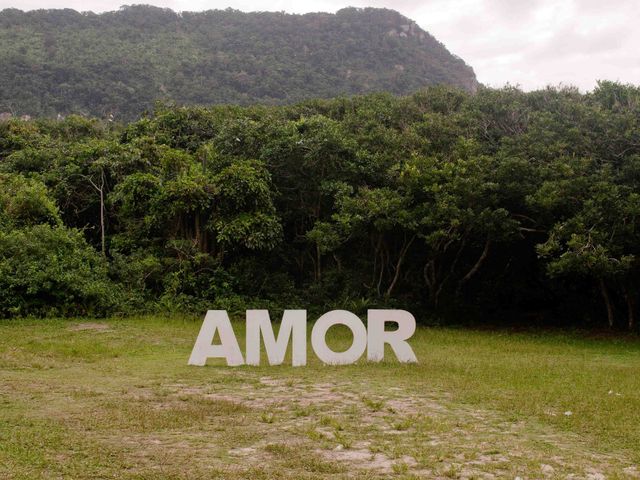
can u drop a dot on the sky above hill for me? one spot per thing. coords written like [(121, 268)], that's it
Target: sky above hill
[(531, 43)]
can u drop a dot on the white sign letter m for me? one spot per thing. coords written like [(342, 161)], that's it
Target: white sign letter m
[(294, 324)]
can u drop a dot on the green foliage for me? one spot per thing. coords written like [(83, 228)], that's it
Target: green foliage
[(48, 270), (117, 64), (502, 204), (25, 202)]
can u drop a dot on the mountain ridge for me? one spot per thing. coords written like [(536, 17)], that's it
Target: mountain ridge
[(118, 63)]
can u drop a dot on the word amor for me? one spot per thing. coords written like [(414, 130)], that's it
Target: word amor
[(293, 328)]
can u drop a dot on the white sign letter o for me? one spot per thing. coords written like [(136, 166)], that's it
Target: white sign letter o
[(319, 332)]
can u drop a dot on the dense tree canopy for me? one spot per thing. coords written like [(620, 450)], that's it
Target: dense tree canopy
[(497, 205), (116, 64)]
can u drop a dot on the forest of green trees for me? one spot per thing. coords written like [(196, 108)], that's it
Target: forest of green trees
[(498, 206), (116, 64)]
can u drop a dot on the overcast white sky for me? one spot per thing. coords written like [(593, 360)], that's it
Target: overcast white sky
[(532, 43)]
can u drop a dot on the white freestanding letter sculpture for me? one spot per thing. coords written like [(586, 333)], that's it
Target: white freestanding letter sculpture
[(377, 336), (293, 329), (319, 332), (228, 348), (293, 325)]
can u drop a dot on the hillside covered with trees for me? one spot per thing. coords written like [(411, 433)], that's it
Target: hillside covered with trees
[(501, 204), (116, 64)]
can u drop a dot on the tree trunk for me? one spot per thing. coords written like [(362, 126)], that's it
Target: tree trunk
[(198, 236), (376, 255), (382, 266), (401, 256), (607, 302), (475, 268), (631, 309), (318, 263), (102, 234), (338, 262), (434, 290)]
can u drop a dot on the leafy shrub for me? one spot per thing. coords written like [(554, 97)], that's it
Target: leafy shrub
[(24, 202), (47, 270)]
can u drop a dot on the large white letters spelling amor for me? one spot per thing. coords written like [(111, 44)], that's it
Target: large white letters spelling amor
[(293, 329)]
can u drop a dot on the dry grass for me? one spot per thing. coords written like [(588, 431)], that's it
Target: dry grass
[(115, 399)]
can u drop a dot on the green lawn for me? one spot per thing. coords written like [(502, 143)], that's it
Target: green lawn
[(115, 399)]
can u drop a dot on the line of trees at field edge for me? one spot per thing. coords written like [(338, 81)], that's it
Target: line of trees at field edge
[(499, 205)]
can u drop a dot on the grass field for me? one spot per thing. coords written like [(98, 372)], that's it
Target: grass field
[(115, 399)]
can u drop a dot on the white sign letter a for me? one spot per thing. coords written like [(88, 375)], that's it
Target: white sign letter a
[(216, 320)]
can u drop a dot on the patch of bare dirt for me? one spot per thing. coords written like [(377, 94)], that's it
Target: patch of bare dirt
[(381, 434)]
